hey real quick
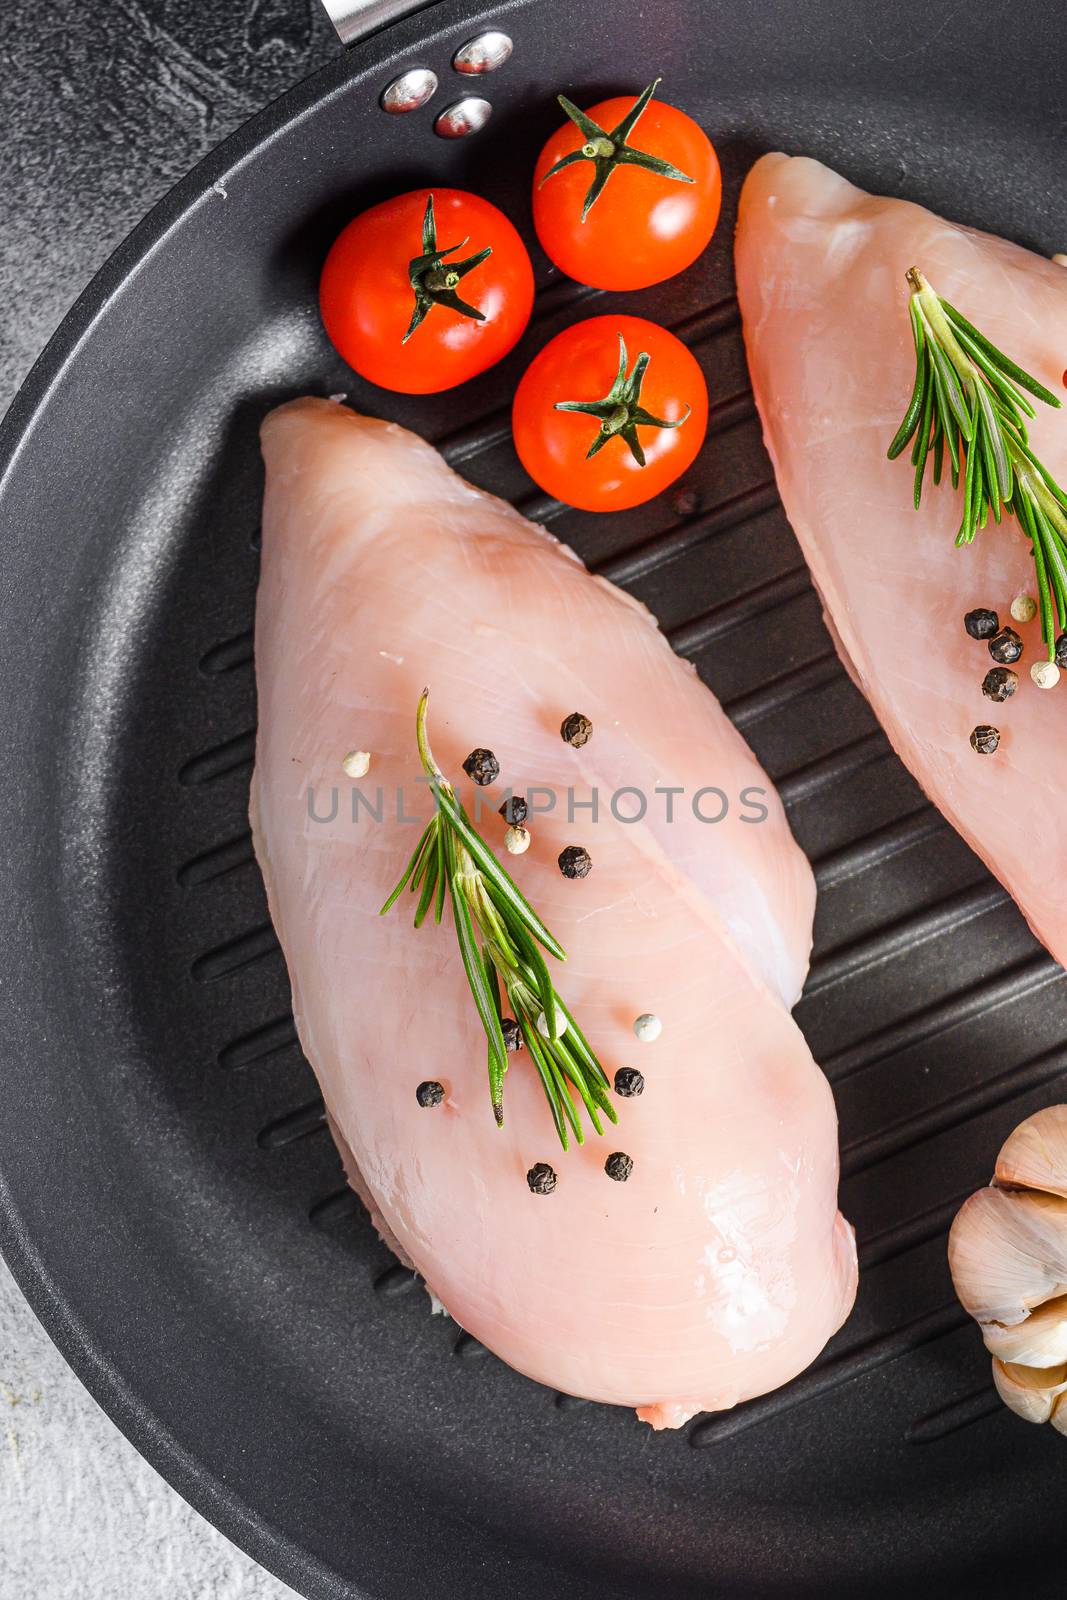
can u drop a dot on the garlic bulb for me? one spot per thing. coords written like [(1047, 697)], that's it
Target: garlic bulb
[(1035, 1155), (1031, 1394), (1007, 1252), (1040, 1340)]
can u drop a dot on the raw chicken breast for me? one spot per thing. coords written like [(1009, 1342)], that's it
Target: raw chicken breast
[(722, 1266), (820, 272)]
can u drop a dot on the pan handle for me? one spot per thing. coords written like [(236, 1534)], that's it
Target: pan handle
[(353, 19)]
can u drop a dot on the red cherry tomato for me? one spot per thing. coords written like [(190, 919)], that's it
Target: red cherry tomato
[(643, 227), (597, 364), (367, 295)]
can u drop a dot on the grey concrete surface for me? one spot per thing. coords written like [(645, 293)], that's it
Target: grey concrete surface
[(102, 108)]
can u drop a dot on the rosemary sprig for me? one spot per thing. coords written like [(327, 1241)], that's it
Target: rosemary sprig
[(452, 860), (969, 398)]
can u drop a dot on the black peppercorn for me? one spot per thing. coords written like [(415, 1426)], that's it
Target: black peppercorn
[(985, 739), (575, 861), (619, 1166), (576, 729), (1000, 683), (1061, 650), (982, 624), (429, 1093), (514, 810), (542, 1179), (628, 1082), (1006, 647), (482, 767), (512, 1034)]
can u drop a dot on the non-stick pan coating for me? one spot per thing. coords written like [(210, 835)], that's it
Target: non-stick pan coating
[(171, 1202)]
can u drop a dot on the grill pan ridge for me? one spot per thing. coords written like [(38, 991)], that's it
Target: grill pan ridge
[(171, 1201)]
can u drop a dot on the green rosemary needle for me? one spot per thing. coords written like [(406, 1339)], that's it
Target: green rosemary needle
[(500, 940), (968, 398)]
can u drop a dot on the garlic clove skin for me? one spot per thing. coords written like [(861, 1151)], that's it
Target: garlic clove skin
[(1007, 1252), (1033, 1394), (1008, 1257), (1040, 1341), (1035, 1155)]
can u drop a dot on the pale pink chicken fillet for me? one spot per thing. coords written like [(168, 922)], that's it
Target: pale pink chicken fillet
[(720, 1269), (820, 274)]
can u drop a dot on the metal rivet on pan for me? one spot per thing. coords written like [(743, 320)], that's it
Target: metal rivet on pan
[(483, 54), (410, 91), (466, 116)]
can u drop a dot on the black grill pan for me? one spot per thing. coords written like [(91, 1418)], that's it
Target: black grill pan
[(171, 1202)]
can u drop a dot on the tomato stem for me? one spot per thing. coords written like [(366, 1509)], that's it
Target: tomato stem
[(620, 412), (610, 150), (439, 279), (433, 282)]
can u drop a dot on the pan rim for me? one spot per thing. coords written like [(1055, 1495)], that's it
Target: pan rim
[(260, 1535), (222, 1506)]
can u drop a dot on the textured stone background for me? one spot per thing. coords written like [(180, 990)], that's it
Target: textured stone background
[(102, 107), (82, 1516)]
